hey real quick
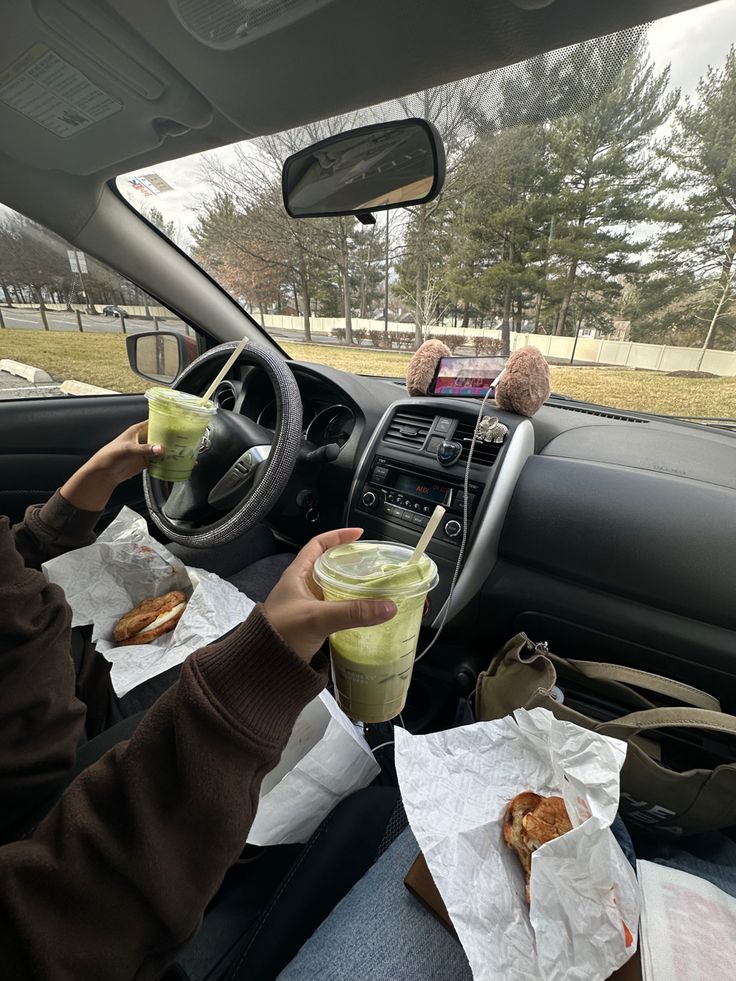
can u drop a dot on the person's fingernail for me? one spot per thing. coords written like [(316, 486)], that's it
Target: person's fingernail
[(387, 609), (157, 449)]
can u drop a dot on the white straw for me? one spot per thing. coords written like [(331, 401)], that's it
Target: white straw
[(437, 516), (225, 368)]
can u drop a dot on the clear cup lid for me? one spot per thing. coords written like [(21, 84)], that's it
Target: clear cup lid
[(172, 397), (375, 568)]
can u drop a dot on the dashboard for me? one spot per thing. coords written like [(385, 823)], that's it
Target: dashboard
[(611, 536), (325, 418)]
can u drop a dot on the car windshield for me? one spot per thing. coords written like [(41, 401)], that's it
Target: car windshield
[(589, 209)]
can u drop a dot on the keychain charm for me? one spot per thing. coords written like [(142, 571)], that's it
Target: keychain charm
[(491, 430)]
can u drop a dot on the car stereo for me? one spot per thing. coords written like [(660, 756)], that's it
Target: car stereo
[(409, 495)]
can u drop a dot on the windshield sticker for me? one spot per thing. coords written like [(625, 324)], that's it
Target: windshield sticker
[(47, 89)]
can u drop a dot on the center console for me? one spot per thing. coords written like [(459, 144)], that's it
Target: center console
[(417, 459), (410, 494)]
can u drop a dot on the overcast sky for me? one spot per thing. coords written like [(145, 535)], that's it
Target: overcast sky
[(689, 42)]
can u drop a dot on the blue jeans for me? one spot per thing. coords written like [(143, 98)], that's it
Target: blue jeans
[(379, 932)]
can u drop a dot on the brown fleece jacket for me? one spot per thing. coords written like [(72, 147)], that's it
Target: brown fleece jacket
[(116, 878)]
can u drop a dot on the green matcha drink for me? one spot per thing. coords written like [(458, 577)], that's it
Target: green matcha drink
[(176, 420), (372, 666)]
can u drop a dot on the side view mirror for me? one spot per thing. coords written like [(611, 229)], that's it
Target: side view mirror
[(374, 168), (161, 355)]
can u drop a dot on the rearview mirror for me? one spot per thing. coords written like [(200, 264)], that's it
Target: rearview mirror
[(374, 168), (160, 356)]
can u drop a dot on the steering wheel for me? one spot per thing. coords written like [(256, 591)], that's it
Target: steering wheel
[(242, 468)]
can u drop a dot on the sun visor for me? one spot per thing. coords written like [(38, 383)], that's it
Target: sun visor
[(80, 90)]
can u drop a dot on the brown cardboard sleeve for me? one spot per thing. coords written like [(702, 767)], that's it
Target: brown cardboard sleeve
[(420, 884)]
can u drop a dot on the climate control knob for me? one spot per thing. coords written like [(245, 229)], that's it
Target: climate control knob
[(369, 499), (453, 529)]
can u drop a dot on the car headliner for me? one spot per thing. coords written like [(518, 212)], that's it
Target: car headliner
[(178, 95)]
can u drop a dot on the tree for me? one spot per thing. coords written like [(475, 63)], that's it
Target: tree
[(702, 246), (169, 228), (41, 263), (495, 257), (369, 248), (609, 176), (315, 244), (453, 108), (421, 265), (8, 253), (259, 230), (723, 290), (227, 242)]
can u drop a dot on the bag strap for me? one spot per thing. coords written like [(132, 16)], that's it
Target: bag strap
[(600, 671), (689, 718)]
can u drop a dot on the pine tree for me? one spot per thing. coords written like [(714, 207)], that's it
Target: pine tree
[(702, 247), (495, 257), (609, 177)]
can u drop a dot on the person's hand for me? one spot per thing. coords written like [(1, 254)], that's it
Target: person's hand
[(124, 457), (304, 620)]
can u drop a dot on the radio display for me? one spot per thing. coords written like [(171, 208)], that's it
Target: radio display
[(427, 490)]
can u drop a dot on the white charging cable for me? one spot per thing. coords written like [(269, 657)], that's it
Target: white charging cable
[(464, 539), (460, 554)]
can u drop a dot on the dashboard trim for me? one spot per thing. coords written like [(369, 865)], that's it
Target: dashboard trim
[(483, 552)]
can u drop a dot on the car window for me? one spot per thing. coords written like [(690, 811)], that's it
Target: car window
[(64, 317), (589, 210)]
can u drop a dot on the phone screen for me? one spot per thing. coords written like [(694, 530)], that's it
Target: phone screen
[(466, 377)]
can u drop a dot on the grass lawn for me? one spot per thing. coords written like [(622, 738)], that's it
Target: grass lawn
[(623, 389), (362, 361), (648, 391), (100, 359)]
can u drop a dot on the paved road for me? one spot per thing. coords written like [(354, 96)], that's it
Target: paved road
[(31, 320), (12, 387)]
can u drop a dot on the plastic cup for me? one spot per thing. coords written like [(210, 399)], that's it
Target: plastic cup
[(176, 420), (372, 666)]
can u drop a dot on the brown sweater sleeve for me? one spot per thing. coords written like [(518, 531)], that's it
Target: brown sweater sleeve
[(40, 719), (118, 875), (51, 529)]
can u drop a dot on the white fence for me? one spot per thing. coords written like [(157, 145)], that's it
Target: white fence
[(658, 357), (133, 311)]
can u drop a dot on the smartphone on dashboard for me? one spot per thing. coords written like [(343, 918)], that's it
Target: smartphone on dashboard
[(466, 377)]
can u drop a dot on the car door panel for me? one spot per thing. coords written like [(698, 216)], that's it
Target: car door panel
[(45, 440)]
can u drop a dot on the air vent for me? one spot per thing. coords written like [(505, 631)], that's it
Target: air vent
[(598, 412), (224, 397), (484, 454), (408, 428)]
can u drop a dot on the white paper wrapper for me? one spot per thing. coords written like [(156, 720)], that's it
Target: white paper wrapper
[(324, 761), (125, 566), (456, 785), (688, 926)]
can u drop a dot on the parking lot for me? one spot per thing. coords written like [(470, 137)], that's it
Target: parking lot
[(12, 387), (91, 323), (97, 356)]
